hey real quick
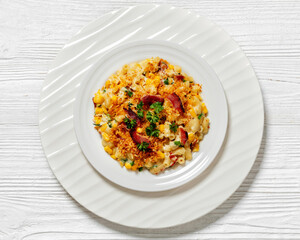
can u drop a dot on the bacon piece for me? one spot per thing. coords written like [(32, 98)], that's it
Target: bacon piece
[(175, 100), (132, 115), (138, 139), (149, 99), (162, 65), (179, 77), (183, 136)]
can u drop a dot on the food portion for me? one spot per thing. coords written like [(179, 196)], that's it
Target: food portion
[(151, 115)]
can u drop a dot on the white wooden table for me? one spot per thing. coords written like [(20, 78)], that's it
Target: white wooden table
[(33, 205)]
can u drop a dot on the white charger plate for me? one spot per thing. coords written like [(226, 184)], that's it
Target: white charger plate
[(90, 141), (182, 204)]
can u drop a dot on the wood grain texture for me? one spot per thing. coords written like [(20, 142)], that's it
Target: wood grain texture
[(32, 203)]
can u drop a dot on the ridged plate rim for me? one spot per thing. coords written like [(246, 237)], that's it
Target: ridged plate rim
[(173, 207)]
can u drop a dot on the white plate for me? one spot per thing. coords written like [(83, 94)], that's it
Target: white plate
[(182, 204), (90, 141)]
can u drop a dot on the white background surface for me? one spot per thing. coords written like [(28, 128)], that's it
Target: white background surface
[(32, 203)]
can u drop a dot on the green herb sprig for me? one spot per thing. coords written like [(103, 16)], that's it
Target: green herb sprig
[(130, 123), (157, 106), (140, 111), (178, 143), (152, 131), (129, 93), (143, 146), (173, 127), (152, 118)]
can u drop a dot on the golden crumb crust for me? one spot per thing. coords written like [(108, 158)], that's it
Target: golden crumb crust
[(151, 115)]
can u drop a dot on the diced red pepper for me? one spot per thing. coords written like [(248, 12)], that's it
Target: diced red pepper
[(173, 161)]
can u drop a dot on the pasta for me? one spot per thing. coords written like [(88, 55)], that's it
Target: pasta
[(150, 115)]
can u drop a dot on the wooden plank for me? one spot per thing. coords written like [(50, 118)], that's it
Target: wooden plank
[(32, 203)]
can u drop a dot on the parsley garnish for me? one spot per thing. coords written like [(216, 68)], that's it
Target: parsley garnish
[(132, 163), (98, 125), (140, 105), (130, 123), (129, 93), (130, 104), (178, 143), (200, 115), (104, 90), (157, 106), (141, 169), (152, 118), (140, 113), (166, 81), (173, 127), (109, 120), (152, 130), (143, 146)]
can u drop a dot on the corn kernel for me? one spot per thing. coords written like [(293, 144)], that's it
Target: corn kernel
[(148, 81), (98, 110), (105, 136), (171, 66), (192, 112), (204, 108), (161, 127), (107, 84), (104, 109), (157, 78), (191, 137), (114, 98), (134, 167), (103, 127), (114, 125), (196, 148), (121, 163), (128, 165), (151, 75), (139, 130), (98, 98), (97, 120), (108, 150), (113, 156), (161, 155), (156, 81)]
